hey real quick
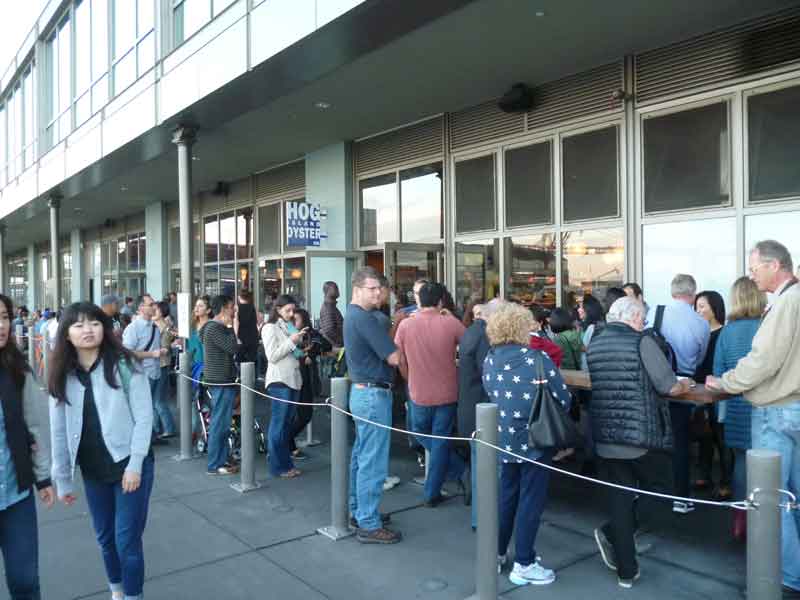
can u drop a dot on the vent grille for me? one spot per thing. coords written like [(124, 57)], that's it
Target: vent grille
[(577, 96), (289, 180), (483, 123), (382, 152), (717, 58)]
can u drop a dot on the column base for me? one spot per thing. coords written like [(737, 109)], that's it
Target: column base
[(243, 488), (335, 533), (183, 457)]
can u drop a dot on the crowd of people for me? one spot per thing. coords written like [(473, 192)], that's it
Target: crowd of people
[(422, 367)]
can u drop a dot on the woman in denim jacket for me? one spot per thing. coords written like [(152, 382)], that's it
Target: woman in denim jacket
[(101, 416), (511, 380), (23, 465)]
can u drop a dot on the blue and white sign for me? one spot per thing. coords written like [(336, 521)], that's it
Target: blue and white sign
[(304, 224)]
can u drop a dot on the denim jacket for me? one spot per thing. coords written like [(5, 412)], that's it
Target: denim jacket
[(125, 419)]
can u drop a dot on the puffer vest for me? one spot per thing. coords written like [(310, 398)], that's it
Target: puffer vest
[(625, 407)]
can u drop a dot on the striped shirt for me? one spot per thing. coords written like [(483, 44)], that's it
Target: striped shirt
[(219, 347)]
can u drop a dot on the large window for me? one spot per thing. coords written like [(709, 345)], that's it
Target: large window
[(59, 100), (18, 128), (528, 174), (477, 272), (134, 41), (687, 159), (3, 147), (705, 249), (530, 269), (775, 226), (591, 175), (379, 223), (269, 229), (592, 262), (475, 194), (189, 16), (18, 280), (773, 144), (123, 263), (228, 252), (91, 58)]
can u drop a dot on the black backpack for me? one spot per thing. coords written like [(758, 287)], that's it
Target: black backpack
[(654, 332)]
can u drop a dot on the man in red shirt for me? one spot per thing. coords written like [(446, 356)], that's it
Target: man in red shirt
[(429, 339)]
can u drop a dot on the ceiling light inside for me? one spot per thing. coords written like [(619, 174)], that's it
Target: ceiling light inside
[(322, 105), (123, 188), (540, 13)]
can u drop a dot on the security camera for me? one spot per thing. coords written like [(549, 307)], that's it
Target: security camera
[(518, 99)]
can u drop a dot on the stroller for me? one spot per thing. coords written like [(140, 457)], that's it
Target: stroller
[(202, 403)]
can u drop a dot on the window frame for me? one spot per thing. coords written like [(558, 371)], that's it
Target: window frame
[(138, 38)]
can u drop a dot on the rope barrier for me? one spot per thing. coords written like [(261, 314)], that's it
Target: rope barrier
[(749, 503)]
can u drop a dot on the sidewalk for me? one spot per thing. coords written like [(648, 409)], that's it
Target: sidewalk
[(206, 541)]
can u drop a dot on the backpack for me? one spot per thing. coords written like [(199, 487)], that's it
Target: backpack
[(654, 332)]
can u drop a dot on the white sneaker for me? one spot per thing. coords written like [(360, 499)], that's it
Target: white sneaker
[(682, 507), (390, 482), (534, 574), (628, 583), (501, 562)]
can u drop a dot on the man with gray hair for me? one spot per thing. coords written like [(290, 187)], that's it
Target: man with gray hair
[(630, 377), (769, 378), (688, 334)]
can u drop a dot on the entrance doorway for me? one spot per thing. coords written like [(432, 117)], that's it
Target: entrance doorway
[(406, 263)]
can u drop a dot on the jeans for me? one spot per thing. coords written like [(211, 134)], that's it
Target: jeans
[(279, 458), (650, 472), (369, 463), (445, 463), (119, 519), (680, 415), (221, 414), (162, 416), (773, 436), (19, 540), (523, 492)]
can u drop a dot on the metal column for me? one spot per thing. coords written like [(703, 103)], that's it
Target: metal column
[(340, 463), (3, 288), (486, 547), (248, 440), (184, 137), (764, 526), (185, 406), (55, 256)]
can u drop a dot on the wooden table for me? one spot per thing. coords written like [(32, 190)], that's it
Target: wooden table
[(699, 394)]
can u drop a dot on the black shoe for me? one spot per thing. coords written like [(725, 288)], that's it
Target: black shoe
[(436, 501), (790, 593), (386, 518), (606, 549)]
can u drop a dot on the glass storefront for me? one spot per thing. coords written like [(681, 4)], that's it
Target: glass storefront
[(228, 252), (123, 262), (18, 280), (530, 270), (477, 272), (592, 261), (476, 195), (277, 274), (773, 226)]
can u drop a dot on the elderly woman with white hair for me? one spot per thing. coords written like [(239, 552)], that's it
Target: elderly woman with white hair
[(631, 425), (512, 378)]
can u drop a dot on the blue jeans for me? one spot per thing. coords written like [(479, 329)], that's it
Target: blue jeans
[(162, 415), (119, 520), (19, 540), (779, 429), (523, 492), (279, 459), (369, 463), (445, 463), (221, 414)]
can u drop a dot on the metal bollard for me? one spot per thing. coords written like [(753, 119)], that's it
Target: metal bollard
[(45, 360), (340, 463), (764, 526), (185, 406), (31, 350), (309, 441), (486, 548), (248, 440), (19, 335)]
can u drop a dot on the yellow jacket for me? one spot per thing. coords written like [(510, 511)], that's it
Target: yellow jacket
[(770, 373)]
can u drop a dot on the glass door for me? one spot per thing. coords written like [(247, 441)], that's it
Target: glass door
[(327, 265), (406, 263)]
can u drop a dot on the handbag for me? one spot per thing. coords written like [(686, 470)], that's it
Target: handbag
[(549, 423)]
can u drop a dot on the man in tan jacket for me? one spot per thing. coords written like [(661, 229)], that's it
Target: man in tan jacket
[(769, 377)]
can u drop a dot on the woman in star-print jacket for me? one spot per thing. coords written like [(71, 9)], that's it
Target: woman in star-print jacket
[(510, 379)]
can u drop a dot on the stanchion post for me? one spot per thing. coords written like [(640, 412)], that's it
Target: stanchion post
[(45, 359), (486, 538), (340, 463), (31, 349), (19, 335), (185, 406), (248, 466), (764, 526)]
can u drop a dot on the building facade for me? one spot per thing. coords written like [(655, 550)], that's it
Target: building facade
[(663, 153)]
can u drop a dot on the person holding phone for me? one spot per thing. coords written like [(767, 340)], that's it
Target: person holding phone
[(283, 344), (164, 425), (101, 416)]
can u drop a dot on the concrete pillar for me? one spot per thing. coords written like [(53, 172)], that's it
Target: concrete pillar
[(184, 137), (55, 256), (3, 273), (329, 182), (157, 268), (80, 281), (33, 280)]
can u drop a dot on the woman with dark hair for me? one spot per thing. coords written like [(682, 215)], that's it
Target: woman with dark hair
[(593, 319), (24, 462), (313, 344), (283, 382), (163, 422), (101, 417), (567, 336), (711, 307)]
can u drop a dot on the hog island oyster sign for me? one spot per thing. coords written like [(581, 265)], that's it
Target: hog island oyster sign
[(304, 224)]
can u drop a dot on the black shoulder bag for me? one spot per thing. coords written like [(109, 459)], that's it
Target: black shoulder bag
[(549, 423)]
